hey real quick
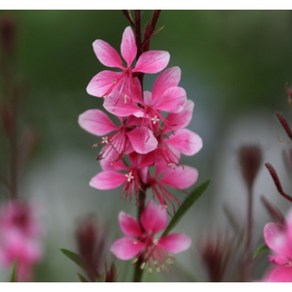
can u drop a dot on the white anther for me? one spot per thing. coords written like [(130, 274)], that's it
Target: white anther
[(171, 165), (129, 176), (154, 120), (126, 97), (104, 140)]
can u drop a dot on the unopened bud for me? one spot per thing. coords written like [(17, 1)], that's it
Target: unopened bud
[(250, 159), (7, 34), (284, 124)]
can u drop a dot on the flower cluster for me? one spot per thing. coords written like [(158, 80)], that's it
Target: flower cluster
[(19, 239), (143, 150)]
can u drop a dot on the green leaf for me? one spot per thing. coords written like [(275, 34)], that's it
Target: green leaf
[(74, 257), (82, 278), (13, 276), (260, 250), (188, 202)]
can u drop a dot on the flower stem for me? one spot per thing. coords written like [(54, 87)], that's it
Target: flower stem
[(142, 46), (138, 272), (249, 235)]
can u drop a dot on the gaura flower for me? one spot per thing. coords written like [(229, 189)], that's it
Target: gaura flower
[(106, 82), (164, 177), (140, 238), (278, 238), (116, 139), (174, 140), (117, 173), (166, 97)]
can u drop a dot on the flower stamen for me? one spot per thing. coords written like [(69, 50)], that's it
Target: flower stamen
[(129, 176)]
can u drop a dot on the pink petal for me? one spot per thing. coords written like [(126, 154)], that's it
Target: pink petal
[(109, 164), (107, 180), (128, 46), (279, 260), (126, 248), (175, 242), (153, 218), (180, 177), (152, 62), (142, 140), (129, 225), (103, 83), (168, 78), (276, 239), (116, 105), (96, 122), (107, 55), (279, 274), (180, 120), (186, 141), (171, 100)]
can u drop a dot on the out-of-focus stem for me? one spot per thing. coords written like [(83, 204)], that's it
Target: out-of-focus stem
[(247, 265), (13, 151)]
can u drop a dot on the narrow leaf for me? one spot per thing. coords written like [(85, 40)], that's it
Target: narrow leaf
[(188, 202), (13, 276), (260, 250), (82, 278), (74, 257)]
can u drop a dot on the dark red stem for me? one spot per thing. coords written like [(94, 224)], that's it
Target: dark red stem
[(277, 182)]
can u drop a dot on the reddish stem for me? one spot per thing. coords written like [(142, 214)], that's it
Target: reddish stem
[(277, 182)]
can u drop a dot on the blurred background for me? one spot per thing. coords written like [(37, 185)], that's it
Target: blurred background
[(235, 66)]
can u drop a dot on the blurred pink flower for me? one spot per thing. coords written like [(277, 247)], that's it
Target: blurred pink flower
[(19, 238), (139, 239), (106, 82), (278, 238)]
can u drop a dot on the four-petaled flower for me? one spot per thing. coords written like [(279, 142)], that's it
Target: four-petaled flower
[(140, 238), (107, 82)]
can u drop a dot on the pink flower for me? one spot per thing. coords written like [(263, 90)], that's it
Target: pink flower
[(173, 139), (19, 239), (96, 122), (117, 173), (181, 177), (166, 96), (278, 238), (139, 239), (106, 82)]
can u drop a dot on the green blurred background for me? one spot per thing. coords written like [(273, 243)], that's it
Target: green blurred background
[(235, 65)]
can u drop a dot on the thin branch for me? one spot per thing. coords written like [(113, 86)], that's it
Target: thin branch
[(150, 28), (277, 182), (129, 17)]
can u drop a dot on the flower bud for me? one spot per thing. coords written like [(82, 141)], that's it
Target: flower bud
[(7, 34), (250, 159)]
